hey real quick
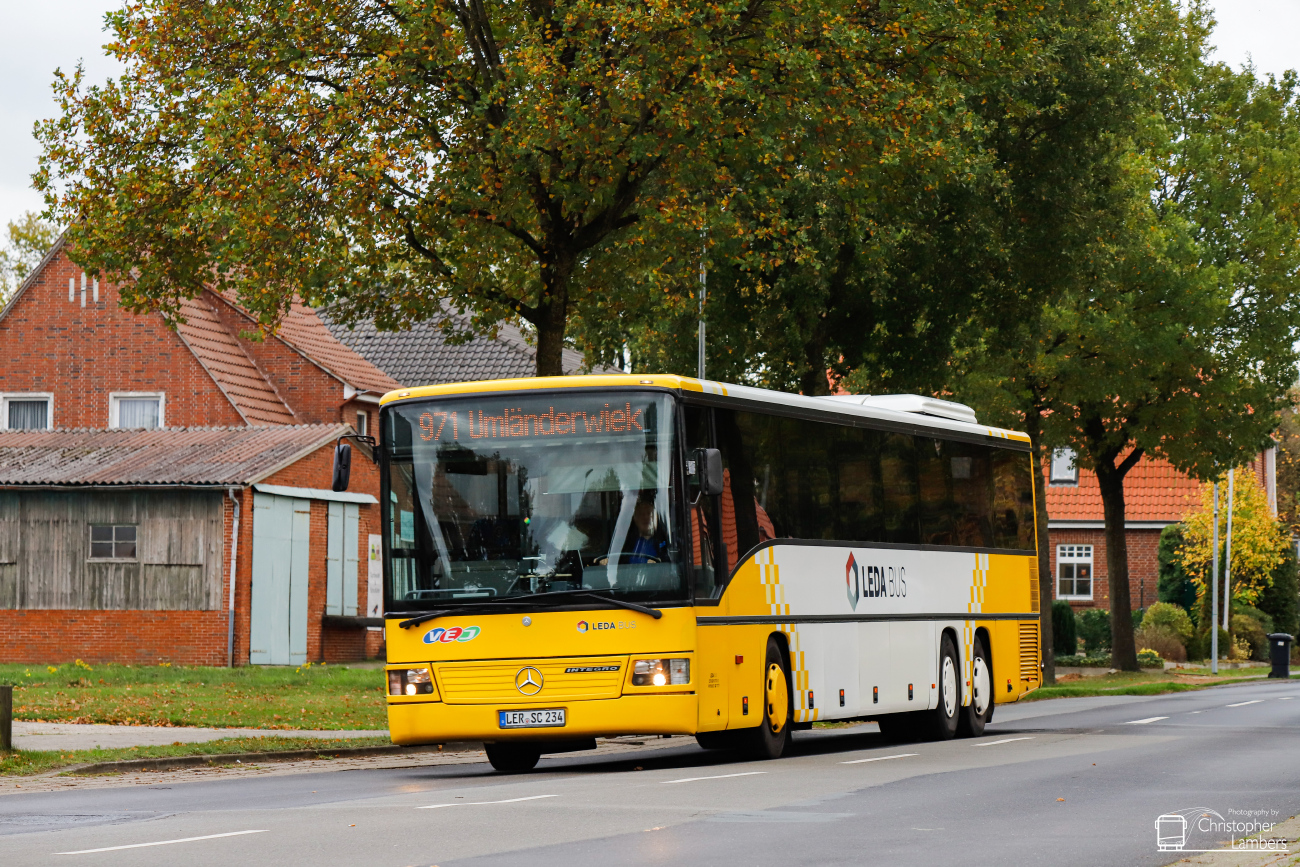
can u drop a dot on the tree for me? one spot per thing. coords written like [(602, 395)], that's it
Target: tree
[(1178, 340), (514, 159), (29, 239), (1260, 544)]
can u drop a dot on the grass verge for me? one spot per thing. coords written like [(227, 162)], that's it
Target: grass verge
[(307, 697), (21, 763), (1141, 683)]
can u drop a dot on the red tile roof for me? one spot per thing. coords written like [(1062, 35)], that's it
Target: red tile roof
[(214, 456), (230, 367), (1153, 491)]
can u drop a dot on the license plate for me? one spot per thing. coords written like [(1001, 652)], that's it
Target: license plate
[(530, 719)]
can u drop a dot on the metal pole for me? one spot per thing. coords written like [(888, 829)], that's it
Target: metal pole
[(704, 285), (1227, 560), (1214, 587), (6, 718)]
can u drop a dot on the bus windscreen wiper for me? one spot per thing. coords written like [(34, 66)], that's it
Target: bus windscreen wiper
[(588, 594)]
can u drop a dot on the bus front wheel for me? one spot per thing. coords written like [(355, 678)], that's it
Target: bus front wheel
[(512, 758), (772, 737)]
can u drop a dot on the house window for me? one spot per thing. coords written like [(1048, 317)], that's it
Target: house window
[(112, 542), (26, 411), (1074, 571), (135, 410), (363, 422), (1065, 469)]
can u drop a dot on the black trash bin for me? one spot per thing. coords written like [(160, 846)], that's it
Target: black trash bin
[(1279, 644)]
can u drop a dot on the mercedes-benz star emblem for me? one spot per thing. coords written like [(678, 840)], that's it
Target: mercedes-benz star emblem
[(528, 681)]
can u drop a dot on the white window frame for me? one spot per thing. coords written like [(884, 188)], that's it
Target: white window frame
[(363, 422), (1075, 554), (47, 396), (1063, 478), (115, 398)]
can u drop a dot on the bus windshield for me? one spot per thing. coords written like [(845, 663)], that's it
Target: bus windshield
[(499, 495)]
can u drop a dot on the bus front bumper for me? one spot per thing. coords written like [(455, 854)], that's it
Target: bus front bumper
[(435, 722)]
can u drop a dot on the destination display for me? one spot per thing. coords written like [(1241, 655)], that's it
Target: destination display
[(500, 422)]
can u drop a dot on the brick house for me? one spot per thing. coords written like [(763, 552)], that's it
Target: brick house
[(77, 368), (1155, 496)]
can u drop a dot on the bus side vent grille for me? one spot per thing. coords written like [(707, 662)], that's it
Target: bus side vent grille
[(1029, 651), (1033, 585)]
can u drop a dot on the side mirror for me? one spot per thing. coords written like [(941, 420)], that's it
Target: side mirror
[(342, 466), (708, 471)]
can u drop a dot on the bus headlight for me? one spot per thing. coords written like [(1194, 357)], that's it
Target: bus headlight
[(661, 672), (410, 681)]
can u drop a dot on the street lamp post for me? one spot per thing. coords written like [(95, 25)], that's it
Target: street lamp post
[(1227, 560), (1214, 586)]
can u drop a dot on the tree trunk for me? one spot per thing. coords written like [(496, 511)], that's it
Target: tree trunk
[(1046, 586), (1110, 479), (553, 316)]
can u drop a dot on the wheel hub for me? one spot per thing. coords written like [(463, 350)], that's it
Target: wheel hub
[(777, 697), (949, 683), (982, 688)]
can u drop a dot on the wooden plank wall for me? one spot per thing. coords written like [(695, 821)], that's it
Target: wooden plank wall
[(45, 550)]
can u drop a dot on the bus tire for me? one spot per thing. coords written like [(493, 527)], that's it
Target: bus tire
[(513, 758), (772, 736), (941, 723), (976, 715)]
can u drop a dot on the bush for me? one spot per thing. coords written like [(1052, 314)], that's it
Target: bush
[(1064, 641), (1173, 585), (1265, 622), (1279, 599), (1137, 615), (1148, 658), (1083, 661), (1163, 641), (1166, 615), (1250, 641), (1093, 625)]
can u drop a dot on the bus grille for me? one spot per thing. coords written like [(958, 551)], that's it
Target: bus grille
[(562, 680), (1029, 652)]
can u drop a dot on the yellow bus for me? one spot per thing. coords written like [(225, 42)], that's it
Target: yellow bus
[(579, 557)]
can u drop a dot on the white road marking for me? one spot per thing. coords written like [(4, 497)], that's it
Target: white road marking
[(162, 842), (485, 803), (1286, 698), (1244, 703), (1142, 722), (880, 759), (1003, 741), (718, 777)]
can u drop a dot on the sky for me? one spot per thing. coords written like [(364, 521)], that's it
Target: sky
[(39, 37)]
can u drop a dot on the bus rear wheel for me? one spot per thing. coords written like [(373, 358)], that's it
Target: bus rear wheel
[(976, 715), (941, 723), (772, 737), (512, 758)]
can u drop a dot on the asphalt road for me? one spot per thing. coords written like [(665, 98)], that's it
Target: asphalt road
[(1073, 781)]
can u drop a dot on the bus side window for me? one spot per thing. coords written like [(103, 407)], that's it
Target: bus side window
[(708, 564)]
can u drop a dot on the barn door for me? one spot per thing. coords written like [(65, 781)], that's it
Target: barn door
[(341, 559), (278, 615)]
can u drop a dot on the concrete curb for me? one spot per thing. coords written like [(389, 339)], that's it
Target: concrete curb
[(168, 763)]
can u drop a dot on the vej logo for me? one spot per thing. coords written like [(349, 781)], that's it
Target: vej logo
[(447, 636)]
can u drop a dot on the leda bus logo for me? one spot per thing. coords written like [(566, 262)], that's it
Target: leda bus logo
[(439, 635), (868, 582)]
